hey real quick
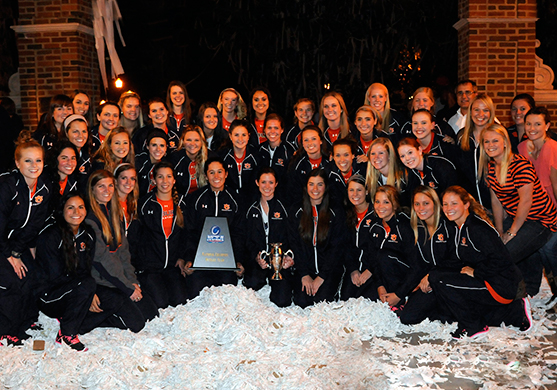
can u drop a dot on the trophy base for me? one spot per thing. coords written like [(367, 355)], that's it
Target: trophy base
[(277, 277)]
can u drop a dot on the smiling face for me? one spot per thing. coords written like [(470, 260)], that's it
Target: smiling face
[(379, 158), (494, 144), (157, 149), (109, 117), (316, 190), (210, 119), (103, 190), (455, 209), (342, 154), (519, 108), (67, 161), (125, 182), (480, 114), (120, 145), (365, 122), (158, 114), (78, 134), (377, 99), (422, 125), (464, 95), (74, 212), (312, 143), (81, 104), (267, 184), (177, 95), (411, 157), (424, 207), (273, 132), (229, 101), (357, 194), (131, 108), (61, 113), (260, 102), (239, 137), (422, 100), (164, 180), (304, 113), (331, 109), (192, 144), (216, 176), (535, 126), (383, 206), (30, 164)]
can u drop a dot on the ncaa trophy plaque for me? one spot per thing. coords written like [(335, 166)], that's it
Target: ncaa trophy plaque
[(214, 252)]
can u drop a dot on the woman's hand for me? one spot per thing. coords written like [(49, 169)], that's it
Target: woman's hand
[(317, 282), (241, 271), (287, 262), (262, 263), (364, 277), (180, 263), (382, 291), (95, 305), (307, 285), (506, 237), (19, 266), (136, 296), (424, 284), (355, 277), (187, 268), (391, 298), (362, 158), (468, 271)]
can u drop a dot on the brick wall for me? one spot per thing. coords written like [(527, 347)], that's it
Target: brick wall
[(56, 52), (497, 48)]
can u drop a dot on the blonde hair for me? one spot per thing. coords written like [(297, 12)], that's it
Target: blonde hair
[(414, 220), (483, 166), (386, 116), (395, 174), (429, 92), (114, 208), (241, 108), (106, 155), (344, 125), (201, 156), (470, 126)]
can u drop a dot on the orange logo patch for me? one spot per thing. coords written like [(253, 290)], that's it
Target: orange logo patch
[(463, 241), (277, 215), (82, 246), (172, 144), (39, 199), (247, 166), (368, 221), (431, 184), (227, 206), (82, 169), (280, 162), (393, 237), (440, 237)]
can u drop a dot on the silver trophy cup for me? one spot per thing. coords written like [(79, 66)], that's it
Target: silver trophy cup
[(275, 258)]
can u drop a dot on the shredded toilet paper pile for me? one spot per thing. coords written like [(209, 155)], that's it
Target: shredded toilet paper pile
[(234, 338)]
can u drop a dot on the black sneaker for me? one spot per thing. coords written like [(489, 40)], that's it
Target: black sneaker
[(12, 340), (71, 341), (460, 333), (527, 318)]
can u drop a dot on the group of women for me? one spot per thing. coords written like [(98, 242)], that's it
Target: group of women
[(100, 224)]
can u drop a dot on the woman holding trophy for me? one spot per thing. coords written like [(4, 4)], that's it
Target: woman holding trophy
[(266, 228)]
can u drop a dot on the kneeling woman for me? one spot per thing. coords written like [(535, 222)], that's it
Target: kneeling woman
[(484, 291), (393, 250), (162, 241), (317, 238), (112, 269), (64, 255)]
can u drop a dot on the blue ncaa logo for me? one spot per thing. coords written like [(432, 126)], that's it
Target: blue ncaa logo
[(215, 230)]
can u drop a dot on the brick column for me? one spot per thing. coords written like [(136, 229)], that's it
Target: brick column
[(57, 52), (497, 41)]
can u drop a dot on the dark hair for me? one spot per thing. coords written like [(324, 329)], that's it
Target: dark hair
[(52, 163), (540, 110), (239, 123), (175, 197), (186, 106), (464, 82), (266, 171), (211, 160), (525, 96), (351, 216), (219, 134), (423, 110), (55, 102), (68, 243), (392, 194), (274, 117), (301, 152), (109, 103), (252, 114), (346, 142), (323, 219), (88, 115)]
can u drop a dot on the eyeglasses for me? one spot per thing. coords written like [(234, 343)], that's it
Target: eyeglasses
[(467, 93)]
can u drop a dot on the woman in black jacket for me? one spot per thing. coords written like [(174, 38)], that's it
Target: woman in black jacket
[(162, 244)]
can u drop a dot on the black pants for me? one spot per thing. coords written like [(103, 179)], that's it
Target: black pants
[(200, 279), (129, 314), (69, 304), (281, 290), (18, 308), (166, 287), (470, 303), (420, 306), (366, 290), (326, 292)]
